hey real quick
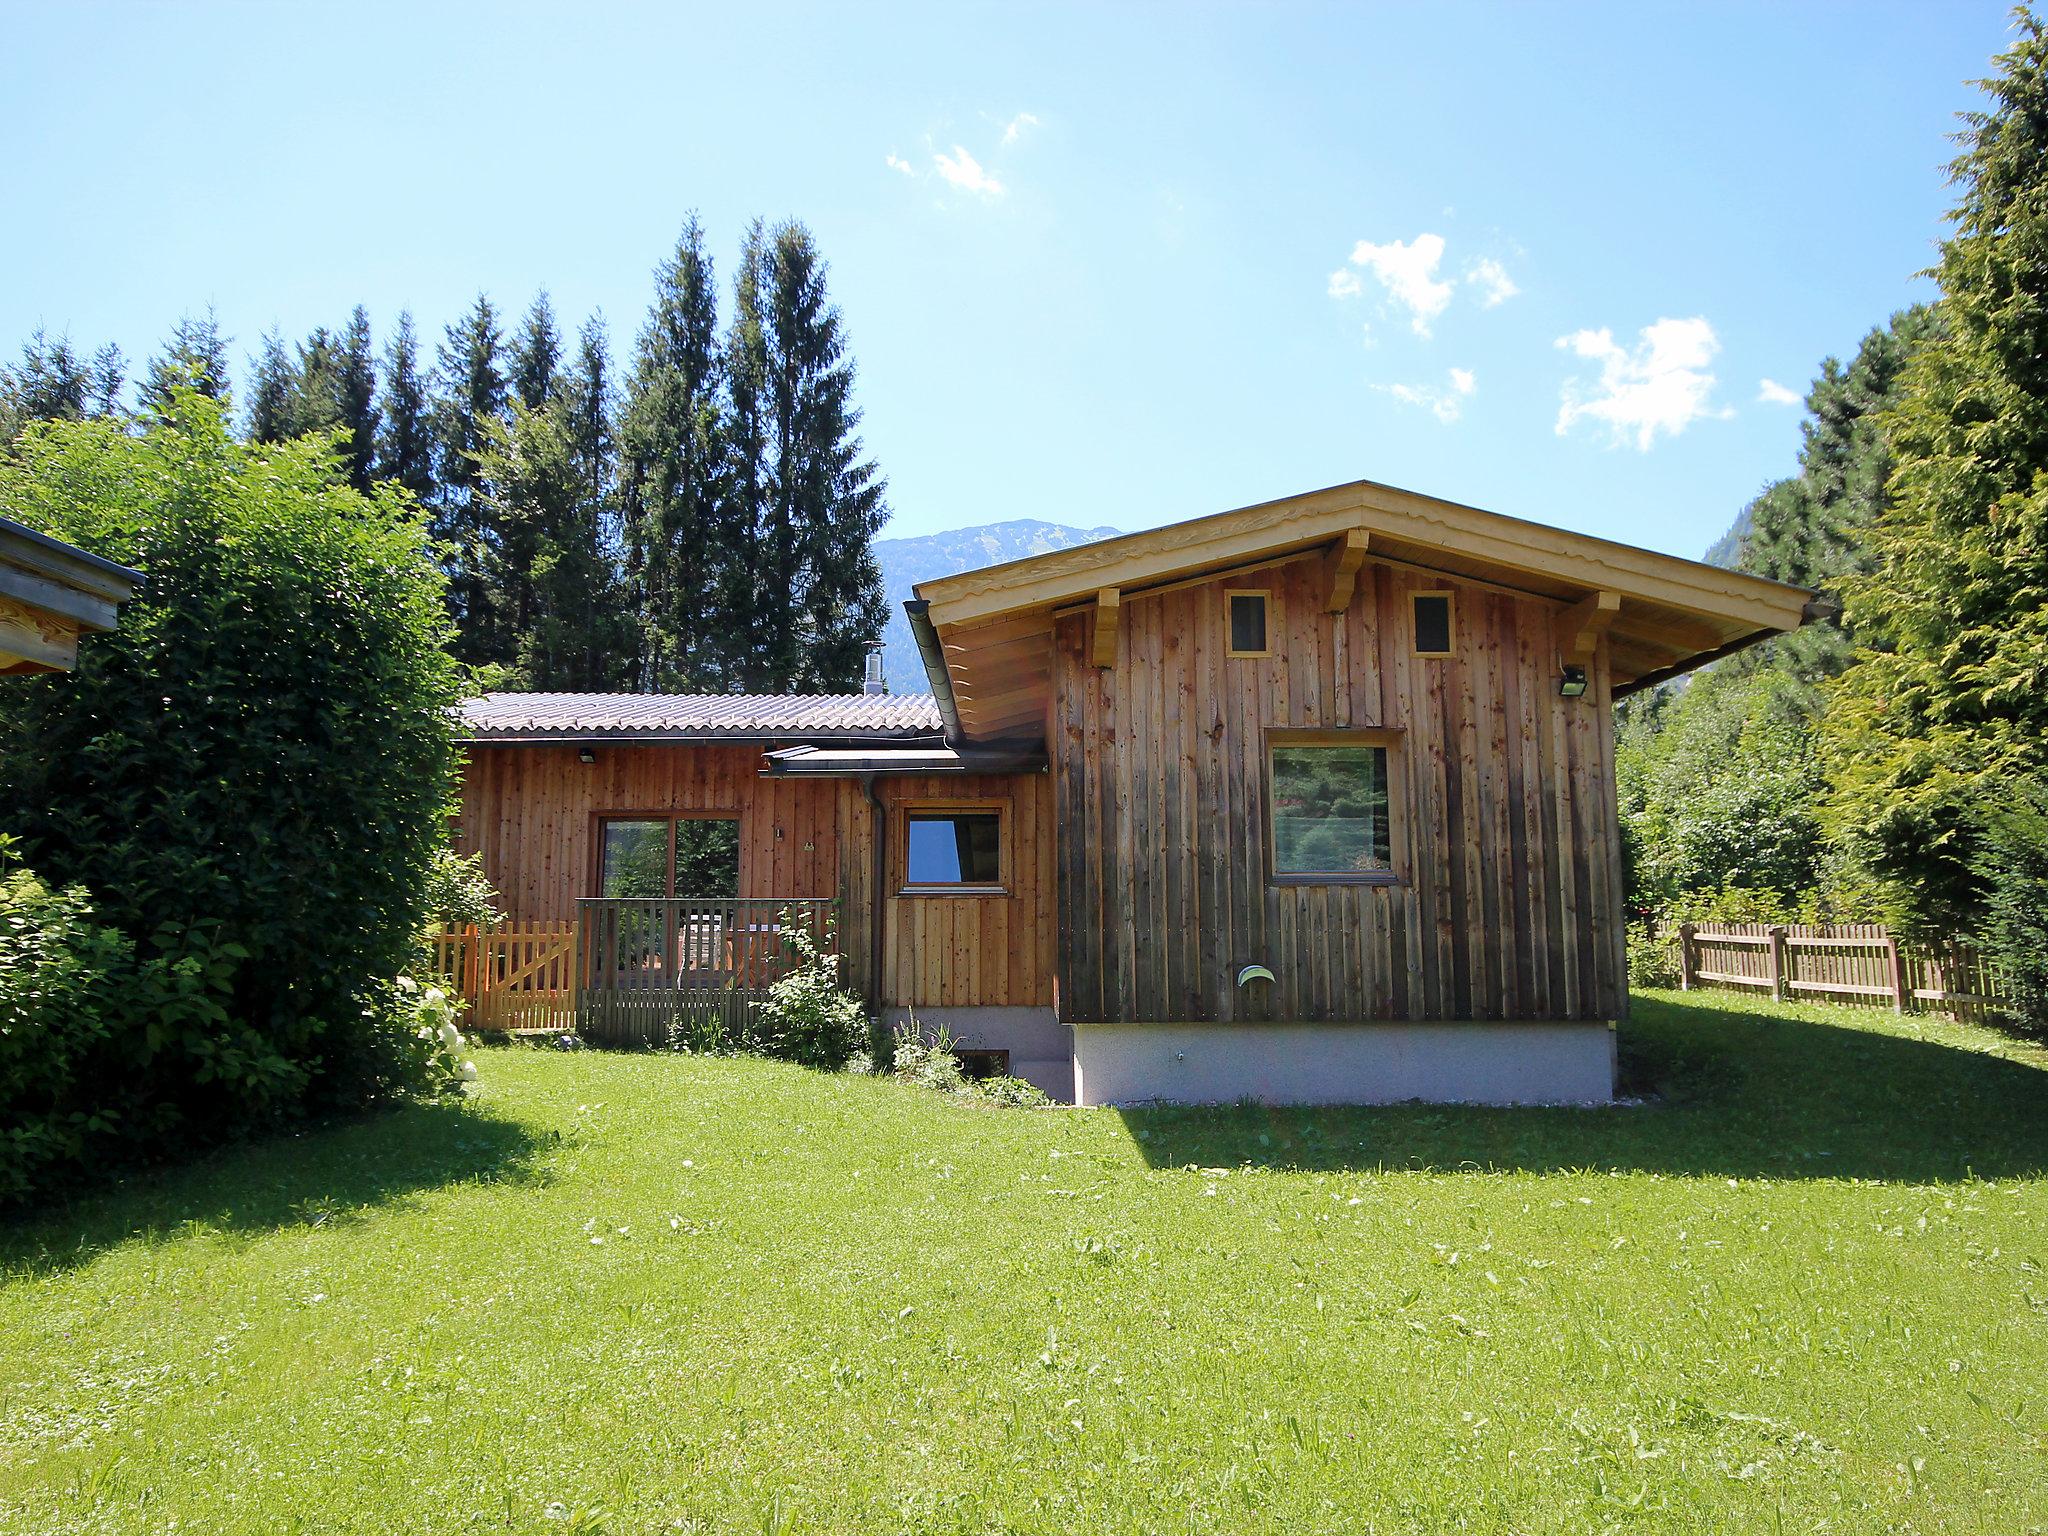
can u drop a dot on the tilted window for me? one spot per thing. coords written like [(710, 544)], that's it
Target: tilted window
[(1331, 811), (953, 848)]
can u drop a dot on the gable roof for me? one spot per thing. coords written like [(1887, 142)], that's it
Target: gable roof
[(710, 717), (989, 632)]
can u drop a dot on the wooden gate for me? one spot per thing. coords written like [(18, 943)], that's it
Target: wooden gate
[(514, 979)]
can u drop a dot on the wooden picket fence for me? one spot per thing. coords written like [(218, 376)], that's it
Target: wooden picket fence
[(1863, 964), (520, 980)]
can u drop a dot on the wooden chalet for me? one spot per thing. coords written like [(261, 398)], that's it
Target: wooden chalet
[(1311, 801)]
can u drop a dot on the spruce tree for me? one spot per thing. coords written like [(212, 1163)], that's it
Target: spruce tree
[(51, 383), (196, 357), (1951, 703), (534, 355), (108, 376), (669, 477), (405, 441), (273, 385), (470, 396), (355, 398), (316, 386), (821, 604), (754, 578)]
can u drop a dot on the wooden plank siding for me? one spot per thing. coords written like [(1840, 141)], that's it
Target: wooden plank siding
[(1507, 901), (532, 812)]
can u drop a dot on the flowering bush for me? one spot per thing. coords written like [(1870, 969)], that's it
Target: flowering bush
[(432, 1043)]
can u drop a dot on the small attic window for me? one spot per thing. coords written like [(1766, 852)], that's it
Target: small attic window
[(1435, 614), (1248, 631)]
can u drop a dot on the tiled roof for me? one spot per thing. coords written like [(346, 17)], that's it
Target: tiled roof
[(698, 716)]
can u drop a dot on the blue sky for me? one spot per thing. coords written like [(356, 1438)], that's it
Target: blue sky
[(1098, 264)]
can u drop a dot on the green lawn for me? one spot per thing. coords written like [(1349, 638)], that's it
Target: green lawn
[(1801, 1290)]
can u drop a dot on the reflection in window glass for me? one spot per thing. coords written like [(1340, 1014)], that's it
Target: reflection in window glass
[(708, 857), (1330, 810), (954, 847), (635, 859)]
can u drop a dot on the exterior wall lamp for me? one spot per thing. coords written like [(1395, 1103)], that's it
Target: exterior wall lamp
[(586, 754), (1572, 683)]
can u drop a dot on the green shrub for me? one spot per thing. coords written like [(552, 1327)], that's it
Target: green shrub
[(807, 1017), (458, 892), (1011, 1092), (926, 1060), (250, 775), (2012, 866), (1652, 956)]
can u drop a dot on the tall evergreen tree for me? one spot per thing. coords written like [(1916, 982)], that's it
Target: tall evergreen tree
[(405, 440), (669, 476), (51, 383), (755, 575), (1951, 704), (196, 357), (316, 385), (822, 606), (273, 386), (108, 376), (470, 396), (534, 354), (355, 398)]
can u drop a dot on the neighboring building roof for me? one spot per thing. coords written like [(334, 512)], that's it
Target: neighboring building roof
[(728, 717), (50, 594), (1661, 615)]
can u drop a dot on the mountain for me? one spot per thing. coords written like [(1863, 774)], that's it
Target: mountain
[(1726, 551), (905, 562)]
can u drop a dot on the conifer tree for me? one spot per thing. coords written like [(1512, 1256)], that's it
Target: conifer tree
[(669, 476), (820, 603), (51, 383), (355, 398), (108, 376), (470, 396), (534, 354), (273, 384), (1951, 703), (196, 357), (405, 442), (316, 386)]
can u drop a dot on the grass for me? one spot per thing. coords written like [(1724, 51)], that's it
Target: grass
[(1802, 1290)]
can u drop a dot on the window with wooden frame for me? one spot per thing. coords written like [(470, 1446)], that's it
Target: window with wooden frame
[(1249, 614), (953, 848), (1435, 619), (664, 855), (1330, 806)]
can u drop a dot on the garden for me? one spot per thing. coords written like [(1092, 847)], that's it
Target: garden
[(1798, 1286)]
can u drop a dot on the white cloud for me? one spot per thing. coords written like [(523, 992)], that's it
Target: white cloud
[(962, 170), (1445, 404), (1771, 392), (901, 166), (1408, 273), (1660, 385), (1490, 276), (1014, 129), (1344, 284)]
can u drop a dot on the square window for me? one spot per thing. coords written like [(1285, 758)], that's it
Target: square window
[(953, 848), (1433, 620), (669, 856), (1330, 811), (1248, 615)]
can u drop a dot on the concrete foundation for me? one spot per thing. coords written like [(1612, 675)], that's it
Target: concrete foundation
[(1343, 1063), (1041, 1047)]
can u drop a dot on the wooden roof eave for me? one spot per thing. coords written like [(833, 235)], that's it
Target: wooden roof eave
[(1508, 546)]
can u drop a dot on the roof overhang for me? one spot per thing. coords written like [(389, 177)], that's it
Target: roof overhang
[(1660, 615), (51, 593)]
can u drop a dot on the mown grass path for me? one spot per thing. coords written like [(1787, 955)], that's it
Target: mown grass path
[(1806, 1289)]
